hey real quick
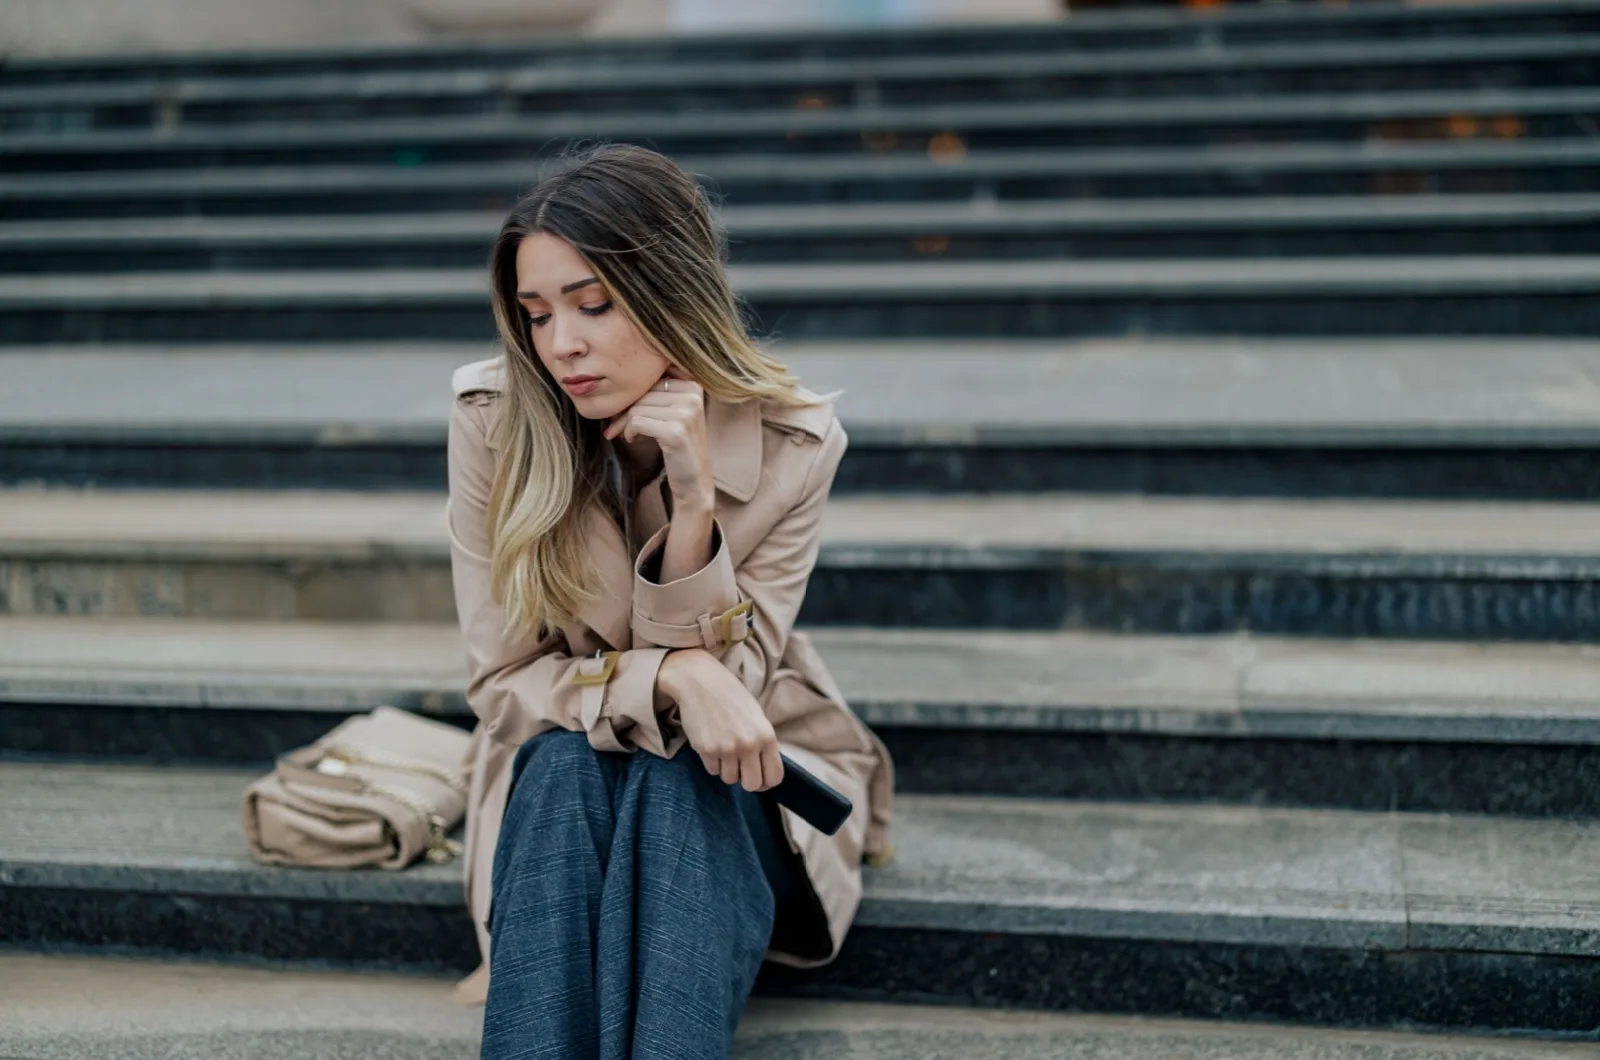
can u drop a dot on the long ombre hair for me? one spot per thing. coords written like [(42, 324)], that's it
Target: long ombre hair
[(646, 229)]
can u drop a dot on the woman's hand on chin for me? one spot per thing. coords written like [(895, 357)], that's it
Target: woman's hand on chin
[(722, 721), (673, 412)]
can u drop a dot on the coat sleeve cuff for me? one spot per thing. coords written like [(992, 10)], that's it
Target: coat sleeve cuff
[(704, 610), (618, 705)]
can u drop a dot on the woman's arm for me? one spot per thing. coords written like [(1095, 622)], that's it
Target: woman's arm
[(691, 540), (519, 685), (742, 617)]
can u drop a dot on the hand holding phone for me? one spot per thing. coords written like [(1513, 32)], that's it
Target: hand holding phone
[(814, 802)]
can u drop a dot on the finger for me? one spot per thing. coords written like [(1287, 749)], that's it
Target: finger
[(750, 772), (651, 427), (730, 769), (618, 424), (671, 399), (712, 763), (771, 766), (672, 385)]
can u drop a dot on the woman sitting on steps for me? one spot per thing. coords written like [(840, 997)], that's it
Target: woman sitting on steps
[(636, 498)]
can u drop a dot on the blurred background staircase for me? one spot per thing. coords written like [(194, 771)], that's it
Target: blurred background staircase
[(1216, 549)]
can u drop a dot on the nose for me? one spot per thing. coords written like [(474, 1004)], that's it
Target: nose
[(566, 336)]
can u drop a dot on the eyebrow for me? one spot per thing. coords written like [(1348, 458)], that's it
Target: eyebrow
[(568, 289)]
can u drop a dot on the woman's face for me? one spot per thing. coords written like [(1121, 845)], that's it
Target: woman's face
[(595, 354)]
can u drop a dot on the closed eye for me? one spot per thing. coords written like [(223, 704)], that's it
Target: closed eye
[(588, 311)]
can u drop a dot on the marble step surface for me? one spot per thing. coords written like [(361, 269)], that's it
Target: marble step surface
[(1510, 419), (1220, 686), (1484, 728), (1554, 165), (1377, 920), (1399, 393), (1330, 568), (64, 1008), (1534, 295), (1244, 228)]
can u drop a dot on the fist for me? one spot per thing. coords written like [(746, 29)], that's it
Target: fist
[(673, 412)]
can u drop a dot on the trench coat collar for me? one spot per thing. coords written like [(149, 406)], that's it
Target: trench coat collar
[(733, 429), (734, 436)]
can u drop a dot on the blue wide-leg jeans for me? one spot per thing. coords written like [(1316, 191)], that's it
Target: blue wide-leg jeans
[(633, 901)]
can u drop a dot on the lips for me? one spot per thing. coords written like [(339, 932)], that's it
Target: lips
[(579, 385)]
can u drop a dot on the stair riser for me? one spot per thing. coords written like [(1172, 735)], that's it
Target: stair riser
[(1311, 985), (1503, 174), (1155, 593), (1578, 235), (837, 91), (1459, 473), (1525, 780), (1303, 985), (1379, 776), (1483, 310), (867, 141), (382, 590)]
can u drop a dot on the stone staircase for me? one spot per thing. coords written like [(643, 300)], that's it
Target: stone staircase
[(1216, 550)]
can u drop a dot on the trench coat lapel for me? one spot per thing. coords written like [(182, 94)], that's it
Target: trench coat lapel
[(610, 611), (733, 433), (733, 430)]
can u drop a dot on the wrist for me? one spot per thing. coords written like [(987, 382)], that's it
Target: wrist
[(697, 504), (677, 671)]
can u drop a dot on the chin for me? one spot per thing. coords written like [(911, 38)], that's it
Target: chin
[(597, 407)]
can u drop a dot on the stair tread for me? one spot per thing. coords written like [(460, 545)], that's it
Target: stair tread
[(1377, 537), (1209, 686), (1193, 873), (305, 1014), (1264, 392)]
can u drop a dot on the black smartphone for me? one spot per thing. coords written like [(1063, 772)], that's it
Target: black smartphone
[(801, 793)]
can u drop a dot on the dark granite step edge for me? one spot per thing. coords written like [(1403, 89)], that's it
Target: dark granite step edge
[(888, 219), (505, 178), (872, 286), (289, 136)]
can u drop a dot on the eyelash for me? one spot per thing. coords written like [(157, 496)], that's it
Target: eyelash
[(599, 310)]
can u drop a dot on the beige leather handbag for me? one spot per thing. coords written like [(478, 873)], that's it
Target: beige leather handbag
[(382, 789)]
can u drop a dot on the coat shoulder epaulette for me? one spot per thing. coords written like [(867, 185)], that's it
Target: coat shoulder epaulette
[(814, 419), (486, 377)]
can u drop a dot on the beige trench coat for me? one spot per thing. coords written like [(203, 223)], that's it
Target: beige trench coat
[(773, 467)]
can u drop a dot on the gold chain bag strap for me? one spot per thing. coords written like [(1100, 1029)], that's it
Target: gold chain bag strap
[(381, 789)]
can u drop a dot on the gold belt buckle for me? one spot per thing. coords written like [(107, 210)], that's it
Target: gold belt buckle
[(601, 676), (732, 613)]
